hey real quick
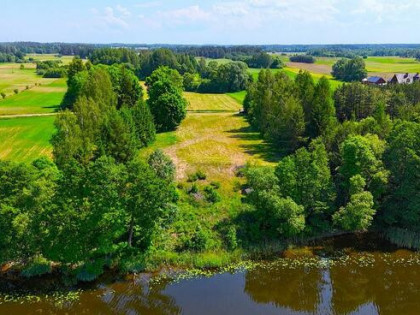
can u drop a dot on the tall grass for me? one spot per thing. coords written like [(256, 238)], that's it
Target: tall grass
[(402, 237)]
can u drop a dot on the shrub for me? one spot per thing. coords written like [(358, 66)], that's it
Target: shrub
[(231, 239), (216, 185), (302, 58), (162, 165), (22, 67), (201, 175), (3, 95), (199, 241), (16, 91), (193, 189), (37, 267), (211, 194), (192, 177)]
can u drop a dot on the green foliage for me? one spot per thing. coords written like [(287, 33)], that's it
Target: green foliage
[(211, 194), (349, 70), (322, 119), (162, 165), (358, 213), (199, 241), (357, 101), (274, 108), (165, 101), (305, 177), (302, 58), (276, 216), (38, 266), (126, 86), (402, 157), (200, 175), (362, 156)]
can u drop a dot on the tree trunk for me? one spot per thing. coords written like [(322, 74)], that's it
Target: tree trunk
[(130, 232)]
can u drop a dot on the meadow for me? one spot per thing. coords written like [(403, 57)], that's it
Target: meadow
[(214, 137), (382, 66), (26, 138), (27, 118)]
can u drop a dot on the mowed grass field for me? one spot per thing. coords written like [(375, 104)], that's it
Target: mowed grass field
[(211, 103), (27, 138), (216, 140), (382, 66), (37, 100), (27, 118)]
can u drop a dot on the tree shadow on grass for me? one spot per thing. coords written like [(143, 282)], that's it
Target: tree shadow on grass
[(55, 107), (264, 149)]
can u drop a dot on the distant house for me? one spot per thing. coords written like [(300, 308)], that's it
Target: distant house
[(374, 81), (404, 78)]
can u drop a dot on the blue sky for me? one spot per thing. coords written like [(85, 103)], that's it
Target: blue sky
[(212, 21)]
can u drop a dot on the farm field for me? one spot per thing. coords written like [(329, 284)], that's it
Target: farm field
[(382, 66), (37, 100), (43, 57), (25, 139), (211, 103)]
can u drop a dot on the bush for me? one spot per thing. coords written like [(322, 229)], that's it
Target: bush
[(193, 189), (16, 91), (200, 240), (55, 73), (192, 177), (302, 58), (211, 194), (3, 95), (37, 267), (216, 185), (201, 175), (230, 238), (162, 165)]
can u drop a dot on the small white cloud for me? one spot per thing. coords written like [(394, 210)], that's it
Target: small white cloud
[(108, 17), (150, 4), (123, 10), (386, 9), (183, 15)]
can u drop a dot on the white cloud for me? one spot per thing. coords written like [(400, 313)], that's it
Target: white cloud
[(192, 13), (382, 10), (112, 17), (123, 10), (150, 4)]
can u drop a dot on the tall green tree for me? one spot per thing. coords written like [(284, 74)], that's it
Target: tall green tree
[(322, 118), (166, 102)]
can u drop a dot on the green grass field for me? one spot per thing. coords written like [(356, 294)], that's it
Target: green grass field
[(37, 100), (43, 57), (383, 66), (25, 139), (211, 102)]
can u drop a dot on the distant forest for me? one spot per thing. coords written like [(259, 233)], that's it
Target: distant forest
[(15, 52)]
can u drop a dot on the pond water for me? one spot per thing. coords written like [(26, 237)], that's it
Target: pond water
[(344, 275)]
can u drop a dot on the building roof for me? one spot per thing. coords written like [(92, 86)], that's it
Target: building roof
[(406, 77), (375, 79)]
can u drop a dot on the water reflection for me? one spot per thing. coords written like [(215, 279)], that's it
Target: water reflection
[(371, 282)]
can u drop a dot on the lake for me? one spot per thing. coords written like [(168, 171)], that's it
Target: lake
[(352, 274)]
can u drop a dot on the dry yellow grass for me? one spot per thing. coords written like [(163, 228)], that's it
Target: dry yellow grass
[(214, 142)]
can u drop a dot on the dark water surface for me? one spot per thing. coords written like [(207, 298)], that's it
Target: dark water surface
[(344, 275)]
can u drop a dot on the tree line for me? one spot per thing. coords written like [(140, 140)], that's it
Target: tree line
[(350, 158), (97, 204)]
